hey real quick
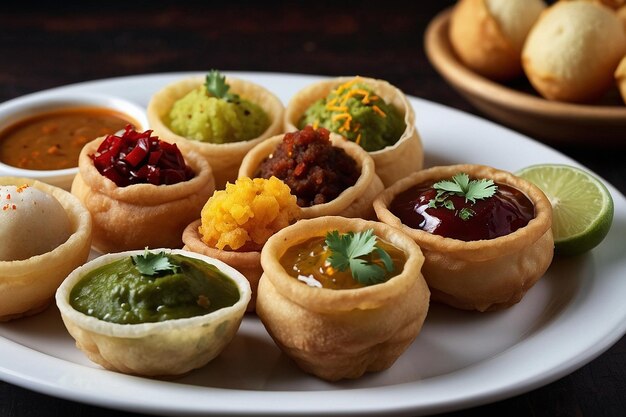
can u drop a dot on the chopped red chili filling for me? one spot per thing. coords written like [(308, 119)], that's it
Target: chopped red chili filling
[(140, 158)]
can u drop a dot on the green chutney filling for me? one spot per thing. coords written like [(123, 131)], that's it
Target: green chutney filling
[(187, 287), (354, 111), (210, 113)]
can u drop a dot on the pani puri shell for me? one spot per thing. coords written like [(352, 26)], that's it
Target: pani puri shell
[(621, 14), (246, 262), (27, 286), (140, 215), (620, 77), (488, 35), (224, 158), (392, 162), (354, 201), (336, 334), (613, 4), (481, 275), (167, 348), (573, 50)]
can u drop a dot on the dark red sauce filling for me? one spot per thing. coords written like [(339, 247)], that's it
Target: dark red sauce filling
[(503, 213), (315, 170), (139, 158)]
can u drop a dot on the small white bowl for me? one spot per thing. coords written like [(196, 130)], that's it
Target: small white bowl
[(13, 111)]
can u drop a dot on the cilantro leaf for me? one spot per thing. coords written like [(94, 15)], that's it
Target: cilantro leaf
[(151, 263), (336, 244), (462, 179), (216, 85), (441, 198), (347, 250), (361, 244), (462, 186), (465, 213), (479, 189), (449, 186), (365, 273), (384, 256)]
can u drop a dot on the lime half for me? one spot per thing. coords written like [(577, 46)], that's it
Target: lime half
[(582, 207)]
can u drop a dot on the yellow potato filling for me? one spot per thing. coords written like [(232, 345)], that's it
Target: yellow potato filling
[(247, 213)]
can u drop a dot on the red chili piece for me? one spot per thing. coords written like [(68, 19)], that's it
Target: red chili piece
[(140, 158)]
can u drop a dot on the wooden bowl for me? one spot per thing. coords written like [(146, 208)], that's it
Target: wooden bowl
[(527, 112)]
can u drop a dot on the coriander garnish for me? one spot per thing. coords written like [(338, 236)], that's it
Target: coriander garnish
[(348, 248), (461, 185), (216, 85), (153, 263), (465, 213)]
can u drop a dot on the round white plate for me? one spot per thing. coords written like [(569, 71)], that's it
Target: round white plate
[(460, 359)]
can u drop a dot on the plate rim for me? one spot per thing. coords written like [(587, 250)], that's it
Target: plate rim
[(25, 380)]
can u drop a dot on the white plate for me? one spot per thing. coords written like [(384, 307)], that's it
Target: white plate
[(460, 359)]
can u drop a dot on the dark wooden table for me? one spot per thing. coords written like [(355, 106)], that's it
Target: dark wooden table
[(44, 46)]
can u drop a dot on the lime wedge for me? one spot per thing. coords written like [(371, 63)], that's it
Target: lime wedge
[(582, 206)]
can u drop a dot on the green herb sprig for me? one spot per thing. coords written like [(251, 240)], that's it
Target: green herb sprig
[(347, 250), (215, 84), (151, 263), (461, 185)]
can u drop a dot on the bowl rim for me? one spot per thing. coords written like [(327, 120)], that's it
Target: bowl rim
[(441, 55), (18, 109), (139, 330)]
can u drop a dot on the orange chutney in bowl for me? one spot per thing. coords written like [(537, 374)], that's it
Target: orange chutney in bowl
[(53, 140)]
